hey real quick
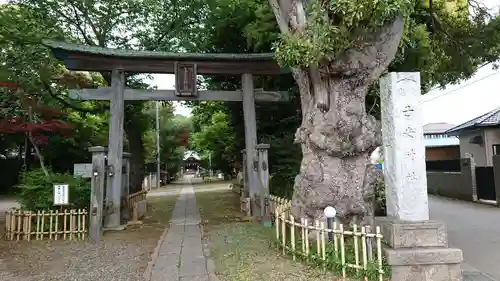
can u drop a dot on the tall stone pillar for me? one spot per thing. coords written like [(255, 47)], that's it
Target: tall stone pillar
[(418, 248), (97, 192), (250, 134)]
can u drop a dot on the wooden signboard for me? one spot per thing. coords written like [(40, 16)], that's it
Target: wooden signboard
[(82, 169), (185, 80), (61, 194)]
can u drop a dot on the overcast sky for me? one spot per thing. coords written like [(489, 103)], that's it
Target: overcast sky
[(455, 104)]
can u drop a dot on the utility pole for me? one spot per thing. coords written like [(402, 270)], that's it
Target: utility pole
[(210, 164), (157, 144)]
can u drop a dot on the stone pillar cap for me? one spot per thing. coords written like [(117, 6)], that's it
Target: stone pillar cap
[(127, 154), (96, 149)]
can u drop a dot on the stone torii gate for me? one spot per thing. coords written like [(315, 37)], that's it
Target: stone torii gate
[(186, 67)]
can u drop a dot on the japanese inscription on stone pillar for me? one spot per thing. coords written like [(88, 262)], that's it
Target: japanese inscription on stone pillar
[(185, 79), (404, 149)]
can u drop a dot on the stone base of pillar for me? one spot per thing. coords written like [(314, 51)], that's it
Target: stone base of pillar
[(418, 251), (254, 208), (116, 228)]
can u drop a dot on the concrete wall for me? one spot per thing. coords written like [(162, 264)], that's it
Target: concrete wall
[(496, 171), (492, 137), (442, 153), (478, 151), (457, 185), (482, 153)]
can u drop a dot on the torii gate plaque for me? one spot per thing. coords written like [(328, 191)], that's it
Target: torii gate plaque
[(186, 80)]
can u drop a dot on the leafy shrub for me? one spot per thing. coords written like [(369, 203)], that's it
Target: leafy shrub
[(380, 205), (281, 186), (36, 190)]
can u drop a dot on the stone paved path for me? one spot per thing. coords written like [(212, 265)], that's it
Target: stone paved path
[(181, 256)]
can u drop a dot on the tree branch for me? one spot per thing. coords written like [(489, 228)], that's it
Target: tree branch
[(69, 105), (281, 18), (77, 25), (301, 16)]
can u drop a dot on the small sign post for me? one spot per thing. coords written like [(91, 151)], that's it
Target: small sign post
[(61, 194)]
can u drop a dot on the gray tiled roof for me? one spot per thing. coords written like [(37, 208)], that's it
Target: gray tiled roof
[(437, 128), (491, 118)]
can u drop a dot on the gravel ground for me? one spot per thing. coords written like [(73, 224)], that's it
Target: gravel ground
[(120, 256)]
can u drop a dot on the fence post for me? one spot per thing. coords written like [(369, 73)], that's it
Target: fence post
[(472, 170), (125, 186), (263, 171), (97, 191), (369, 243), (496, 176)]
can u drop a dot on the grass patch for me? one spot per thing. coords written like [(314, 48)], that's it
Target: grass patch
[(160, 209), (244, 251), (333, 261)]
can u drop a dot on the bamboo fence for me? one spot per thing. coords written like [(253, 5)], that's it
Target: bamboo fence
[(134, 198), (357, 249), (54, 225)]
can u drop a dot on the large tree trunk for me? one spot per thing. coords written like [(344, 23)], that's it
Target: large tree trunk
[(136, 149), (337, 135)]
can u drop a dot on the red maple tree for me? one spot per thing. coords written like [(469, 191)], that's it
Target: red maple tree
[(36, 131)]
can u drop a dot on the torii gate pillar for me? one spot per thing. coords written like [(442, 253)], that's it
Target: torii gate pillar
[(250, 134), (115, 151)]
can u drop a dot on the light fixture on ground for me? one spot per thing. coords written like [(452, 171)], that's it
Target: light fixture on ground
[(330, 213)]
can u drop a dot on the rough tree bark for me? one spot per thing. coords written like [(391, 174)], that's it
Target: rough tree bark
[(136, 149), (337, 135)]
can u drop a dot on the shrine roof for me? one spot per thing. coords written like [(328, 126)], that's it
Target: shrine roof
[(92, 58)]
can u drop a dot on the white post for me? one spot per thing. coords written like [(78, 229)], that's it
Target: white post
[(250, 131), (115, 150), (404, 151)]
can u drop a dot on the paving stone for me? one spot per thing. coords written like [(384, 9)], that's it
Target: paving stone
[(476, 276), (167, 249), (183, 245), (195, 278), (167, 260), (193, 269), (193, 230), (160, 275)]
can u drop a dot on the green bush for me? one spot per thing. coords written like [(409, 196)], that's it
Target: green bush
[(281, 186), (35, 192), (380, 205)]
